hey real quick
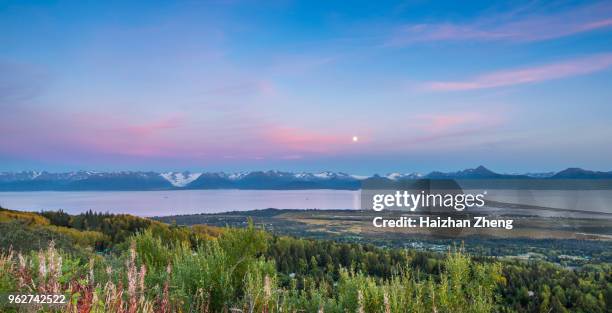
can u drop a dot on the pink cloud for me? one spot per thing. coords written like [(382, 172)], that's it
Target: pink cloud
[(441, 124), (91, 136), (536, 74), (597, 24), (153, 127), (88, 134), (115, 135), (299, 140), (515, 26), (438, 132), (445, 122)]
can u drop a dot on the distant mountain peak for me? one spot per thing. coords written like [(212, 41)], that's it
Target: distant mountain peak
[(540, 174), (399, 176), (180, 179), (479, 172), (481, 168), (271, 179), (579, 173)]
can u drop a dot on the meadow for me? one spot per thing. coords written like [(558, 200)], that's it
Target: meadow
[(122, 263)]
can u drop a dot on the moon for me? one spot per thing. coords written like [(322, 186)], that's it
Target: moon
[(355, 138)]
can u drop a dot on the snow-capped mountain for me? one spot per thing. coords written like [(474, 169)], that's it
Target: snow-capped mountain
[(323, 176), (237, 176), (540, 175), (273, 180), (82, 180), (127, 180), (180, 179), (480, 172), (19, 176), (400, 176)]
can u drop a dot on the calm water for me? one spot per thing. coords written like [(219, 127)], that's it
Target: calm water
[(170, 202), (151, 203)]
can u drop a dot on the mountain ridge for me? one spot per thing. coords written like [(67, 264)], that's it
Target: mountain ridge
[(272, 180)]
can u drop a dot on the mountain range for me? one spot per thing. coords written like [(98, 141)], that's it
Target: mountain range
[(271, 180)]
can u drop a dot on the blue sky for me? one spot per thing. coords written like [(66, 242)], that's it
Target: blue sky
[(247, 85)]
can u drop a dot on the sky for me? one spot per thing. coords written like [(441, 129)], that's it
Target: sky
[(356, 86)]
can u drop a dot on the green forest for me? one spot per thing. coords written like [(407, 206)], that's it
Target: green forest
[(123, 263)]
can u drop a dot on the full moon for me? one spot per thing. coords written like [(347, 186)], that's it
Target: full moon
[(355, 138)]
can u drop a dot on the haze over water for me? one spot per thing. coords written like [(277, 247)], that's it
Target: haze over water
[(171, 202)]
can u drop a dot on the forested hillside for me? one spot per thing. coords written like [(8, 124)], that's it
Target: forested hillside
[(122, 263)]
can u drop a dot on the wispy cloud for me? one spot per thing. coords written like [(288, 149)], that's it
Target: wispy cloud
[(517, 26), (302, 140), (441, 123), (153, 127), (580, 66), (20, 83)]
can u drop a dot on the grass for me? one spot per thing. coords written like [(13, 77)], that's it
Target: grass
[(228, 274)]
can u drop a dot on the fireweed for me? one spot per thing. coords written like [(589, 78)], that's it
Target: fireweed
[(220, 275)]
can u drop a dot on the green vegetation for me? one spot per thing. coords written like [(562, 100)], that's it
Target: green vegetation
[(122, 263), (566, 248)]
